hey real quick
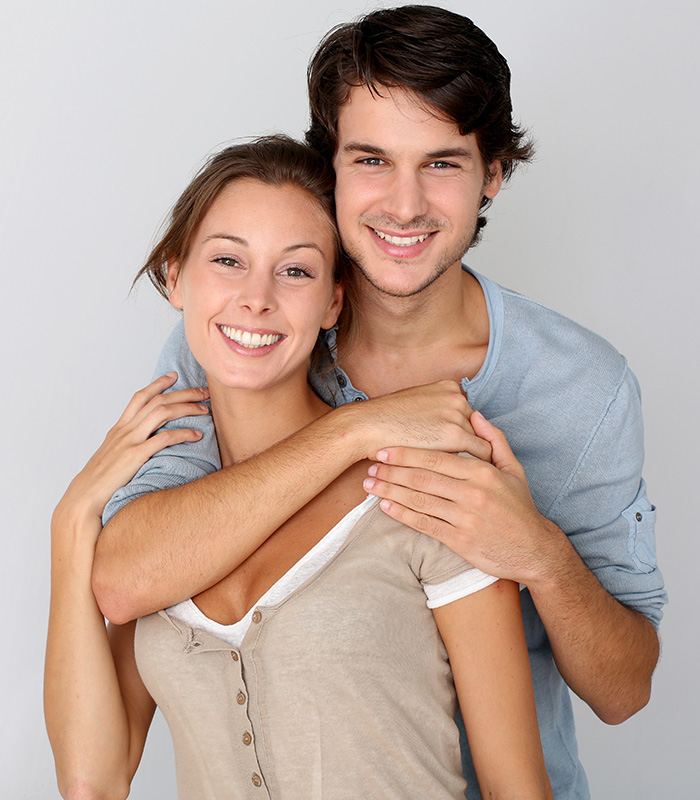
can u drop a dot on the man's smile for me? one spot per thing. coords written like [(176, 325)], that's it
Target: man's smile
[(402, 241)]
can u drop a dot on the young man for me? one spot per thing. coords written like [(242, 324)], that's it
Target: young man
[(412, 105)]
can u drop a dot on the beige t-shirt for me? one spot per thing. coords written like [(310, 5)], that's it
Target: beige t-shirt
[(341, 690)]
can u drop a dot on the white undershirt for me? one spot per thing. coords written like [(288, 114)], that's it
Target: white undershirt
[(438, 594)]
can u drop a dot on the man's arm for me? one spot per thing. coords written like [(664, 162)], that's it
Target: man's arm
[(605, 651), (170, 545)]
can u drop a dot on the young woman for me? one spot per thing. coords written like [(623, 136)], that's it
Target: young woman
[(325, 665)]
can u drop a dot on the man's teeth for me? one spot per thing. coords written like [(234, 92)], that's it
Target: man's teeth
[(248, 339), (401, 241)]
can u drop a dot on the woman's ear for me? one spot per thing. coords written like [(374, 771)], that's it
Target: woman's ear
[(172, 284), (334, 308)]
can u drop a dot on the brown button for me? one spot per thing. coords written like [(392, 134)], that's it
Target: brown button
[(240, 698), (234, 655), (257, 616), (638, 516), (247, 738), (257, 780)]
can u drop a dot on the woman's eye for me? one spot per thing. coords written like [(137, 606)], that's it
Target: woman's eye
[(226, 261), (295, 272)]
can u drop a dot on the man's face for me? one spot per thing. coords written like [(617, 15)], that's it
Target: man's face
[(408, 190)]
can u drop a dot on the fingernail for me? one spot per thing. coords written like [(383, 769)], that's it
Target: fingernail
[(368, 484), (171, 375), (382, 455), (373, 470), (204, 408)]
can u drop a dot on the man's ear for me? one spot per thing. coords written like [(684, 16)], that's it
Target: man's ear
[(173, 285), (494, 179), (334, 308)]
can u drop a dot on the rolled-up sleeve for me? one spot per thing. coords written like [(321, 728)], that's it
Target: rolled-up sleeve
[(606, 490)]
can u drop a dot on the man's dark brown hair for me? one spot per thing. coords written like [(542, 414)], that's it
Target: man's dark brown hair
[(442, 57)]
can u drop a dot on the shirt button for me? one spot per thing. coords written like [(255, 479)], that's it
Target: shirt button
[(247, 738), (342, 381), (358, 399), (638, 516), (257, 616), (234, 655), (240, 698), (257, 780)]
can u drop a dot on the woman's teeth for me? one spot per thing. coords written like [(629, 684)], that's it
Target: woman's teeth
[(401, 241), (248, 339)]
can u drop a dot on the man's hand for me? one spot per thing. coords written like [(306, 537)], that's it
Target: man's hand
[(482, 511)]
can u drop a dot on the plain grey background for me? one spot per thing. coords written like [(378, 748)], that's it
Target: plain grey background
[(107, 108)]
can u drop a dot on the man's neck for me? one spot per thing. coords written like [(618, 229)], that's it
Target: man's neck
[(440, 333)]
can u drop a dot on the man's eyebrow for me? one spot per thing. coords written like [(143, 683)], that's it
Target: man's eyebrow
[(364, 147), (240, 240), (447, 152), (452, 152)]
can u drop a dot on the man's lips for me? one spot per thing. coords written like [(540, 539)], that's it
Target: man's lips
[(407, 245), (251, 340), (403, 241)]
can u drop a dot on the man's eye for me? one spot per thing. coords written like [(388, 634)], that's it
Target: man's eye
[(371, 161), (441, 165)]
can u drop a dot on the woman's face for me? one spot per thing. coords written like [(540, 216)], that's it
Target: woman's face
[(257, 285)]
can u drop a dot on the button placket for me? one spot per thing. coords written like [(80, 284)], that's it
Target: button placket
[(247, 754)]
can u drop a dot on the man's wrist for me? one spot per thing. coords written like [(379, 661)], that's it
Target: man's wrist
[(556, 561)]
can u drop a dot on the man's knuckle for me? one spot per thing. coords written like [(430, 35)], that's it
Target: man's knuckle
[(433, 459)]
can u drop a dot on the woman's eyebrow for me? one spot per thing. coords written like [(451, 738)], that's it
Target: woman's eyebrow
[(312, 245), (240, 240), (230, 236)]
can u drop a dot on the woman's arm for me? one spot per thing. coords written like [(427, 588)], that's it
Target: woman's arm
[(96, 732), (97, 710), (484, 637), (156, 552)]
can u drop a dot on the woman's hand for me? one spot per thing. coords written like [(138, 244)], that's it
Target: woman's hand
[(97, 709), (433, 417), (131, 442)]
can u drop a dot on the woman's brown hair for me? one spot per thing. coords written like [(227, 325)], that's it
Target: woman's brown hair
[(274, 160)]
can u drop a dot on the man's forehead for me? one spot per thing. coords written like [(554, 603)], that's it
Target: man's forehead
[(395, 118)]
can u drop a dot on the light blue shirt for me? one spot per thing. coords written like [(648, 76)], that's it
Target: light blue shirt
[(570, 408)]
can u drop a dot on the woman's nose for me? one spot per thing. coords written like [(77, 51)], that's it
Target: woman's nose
[(256, 293)]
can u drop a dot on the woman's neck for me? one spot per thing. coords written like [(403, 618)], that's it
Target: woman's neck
[(248, 421)]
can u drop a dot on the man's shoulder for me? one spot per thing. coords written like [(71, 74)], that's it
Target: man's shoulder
[(539, 336)]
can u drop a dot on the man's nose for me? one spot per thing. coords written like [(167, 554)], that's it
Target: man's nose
[(405, 197)]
